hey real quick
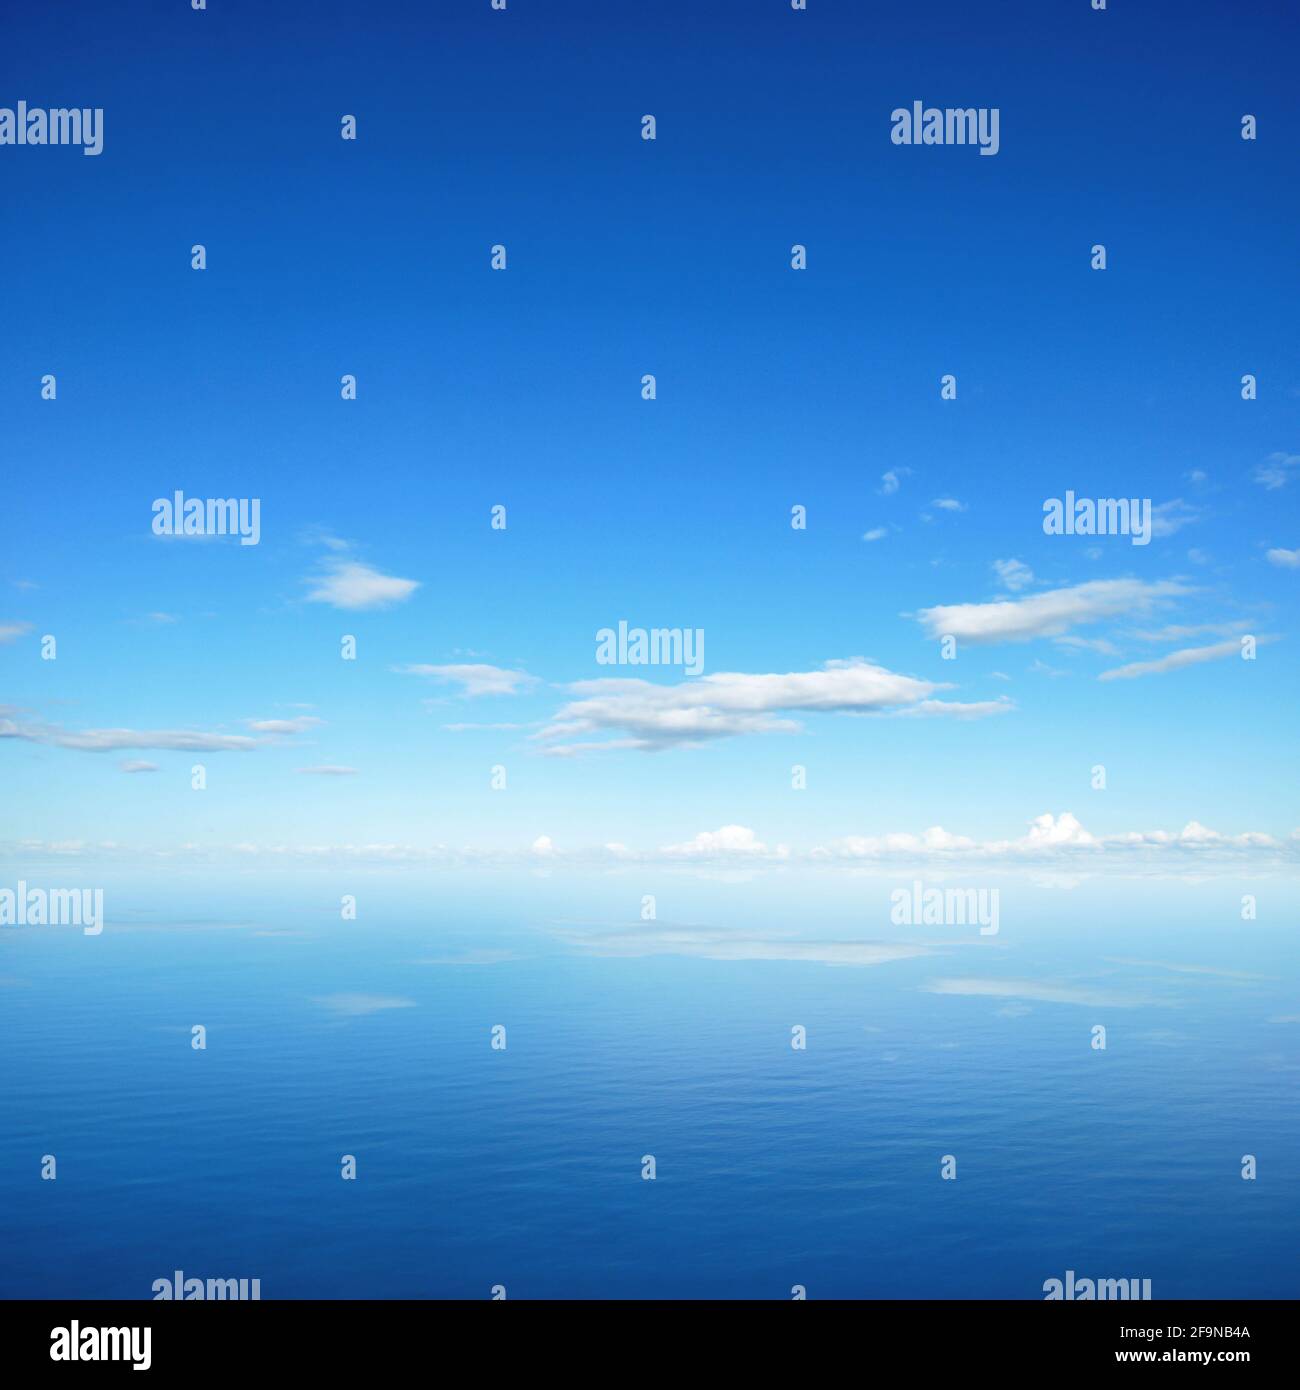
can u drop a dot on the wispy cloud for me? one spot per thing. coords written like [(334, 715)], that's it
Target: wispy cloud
[(1042, 992), (349, 584), (136, 740), (296, 725), (11, 632), (713, 944), (358, 1005), (954, 709), (1285, 559), (1277, 470), (1048, 614), (327, 770), (1013, 574), (1175, 661), (1168, 518), (890, 482), (1088, 644), (1180, 632), (475, 679), (115, 740), (1180, 969), (481, 728)]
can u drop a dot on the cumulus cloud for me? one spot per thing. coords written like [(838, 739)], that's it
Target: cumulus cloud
[(1047, 614), (352, 585), (1048, 830), (1048, 837), (934, 840), (1287, 559), (1056, 846), (1193, 836), (1175, 661), (651, 717), (474, 680), (731, 841), (948, 504)]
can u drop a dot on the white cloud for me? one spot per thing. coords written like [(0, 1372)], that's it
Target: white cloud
[(1046, 833), (174, 740), (1013, 574), (134, 765), (474, 680), (1054, 849), (349, 584), (948, 504), (934, 840), (1043, 992), (1193, 836), (955, 709), (714, 944), (1088, 644), (1178, 632), (876, 533), (1170, 517), (11, 632), (664, 716), (1175, 661), (1048, 614), (480, 728), (1287, 559), (1048, 830), (112, 740), (1277, 470), (328, 770), (891, 481), (729, 841), (284, 726)]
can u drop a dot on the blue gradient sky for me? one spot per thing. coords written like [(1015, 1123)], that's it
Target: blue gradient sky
[(522, 388)]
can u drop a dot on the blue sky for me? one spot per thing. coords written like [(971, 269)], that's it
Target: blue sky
[(775, 388)]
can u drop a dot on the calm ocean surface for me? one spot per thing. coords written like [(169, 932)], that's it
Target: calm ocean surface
[(775, 1167)]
